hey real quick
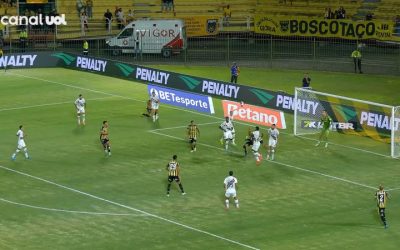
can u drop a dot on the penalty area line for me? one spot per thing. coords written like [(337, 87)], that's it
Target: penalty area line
[(276, 162), (69, 211), (170, 128), (130, 208)]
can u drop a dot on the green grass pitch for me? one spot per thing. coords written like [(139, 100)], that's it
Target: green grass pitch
[(69, 196)]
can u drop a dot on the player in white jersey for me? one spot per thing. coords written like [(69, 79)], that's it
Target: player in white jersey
[(231, 114), (230, 185), (80, 105), (155, 104), (21, 144), (256, 137), (227, 127), (273, 140)]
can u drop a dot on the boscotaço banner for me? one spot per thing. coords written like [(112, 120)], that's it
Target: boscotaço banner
[(330, 28)]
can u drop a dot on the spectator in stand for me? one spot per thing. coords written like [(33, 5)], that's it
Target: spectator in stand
[(328, 13), (369, 16), (227, 14), (130, 17), (79, 7), (342, 13), (89, 8), (108, 18), (170, 5), (120, 18), (306, 81), (397, 25), (84, 21), (164, 5)]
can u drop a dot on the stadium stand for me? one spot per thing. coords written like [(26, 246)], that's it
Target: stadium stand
[(387, 9), (306, 7)]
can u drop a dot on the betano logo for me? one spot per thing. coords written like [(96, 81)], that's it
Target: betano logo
[(65, 57), (33, 20), (125, 69), (190, 82), (254, 114), (262, 95)]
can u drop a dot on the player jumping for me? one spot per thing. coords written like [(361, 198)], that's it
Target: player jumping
[(273, 140), (80, 105), (227, 127), (104, 139), (230, 185), (248, 142), (193, 132), (326, 124), (21, 144), (381, 198), (155, 104)]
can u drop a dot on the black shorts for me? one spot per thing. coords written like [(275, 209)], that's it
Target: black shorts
[(248, 142), (148, 110), (173, 178), (104, 141), (192, 140)]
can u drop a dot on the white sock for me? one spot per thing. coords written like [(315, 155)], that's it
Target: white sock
[(154, 118), (237, 203), (26, 153), (227, 203), (257, 155), (79, 120), (226, 145), (14, 155), (83, 119)]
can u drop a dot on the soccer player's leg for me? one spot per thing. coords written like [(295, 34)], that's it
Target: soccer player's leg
[(170, 179), (383, 216), (14, 155), (83, 117), (257, 155), (326, 134), (180, 185), (25, 149), (236, 200), (233, 137), (79, 118), (227, 196), (108, 148)]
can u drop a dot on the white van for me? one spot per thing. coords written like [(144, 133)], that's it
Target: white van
[(166, 37)]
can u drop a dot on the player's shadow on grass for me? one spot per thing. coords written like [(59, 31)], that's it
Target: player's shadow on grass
[(79, 130)]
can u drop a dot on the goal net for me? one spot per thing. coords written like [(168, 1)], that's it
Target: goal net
[(357, 124)]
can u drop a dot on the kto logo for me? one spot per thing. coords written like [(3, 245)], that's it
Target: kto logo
[(33, 20), (308, 124)]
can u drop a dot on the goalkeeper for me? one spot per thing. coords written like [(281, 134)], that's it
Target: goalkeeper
[(326, 125)]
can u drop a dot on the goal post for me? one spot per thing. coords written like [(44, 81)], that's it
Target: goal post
[(374, 127)]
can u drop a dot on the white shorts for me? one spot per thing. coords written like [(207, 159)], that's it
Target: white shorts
[(228, 135), (230, 193), (80, 110), (21, 144), (272, 142), (256, 146), (155, 105)]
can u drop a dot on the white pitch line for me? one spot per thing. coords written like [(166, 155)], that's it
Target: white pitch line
[(276, 162), (51, 104), (180, 109), (68, 211), (392, 189), (131, 208), (169, 128)]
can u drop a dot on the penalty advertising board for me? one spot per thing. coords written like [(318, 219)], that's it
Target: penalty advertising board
[(173, 97), (254, 114)]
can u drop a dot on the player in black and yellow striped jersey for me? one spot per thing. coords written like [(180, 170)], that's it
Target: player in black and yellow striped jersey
[(148, 108), (193, 132), (1, 55), (173, 169), (104, 139), (381, 199)]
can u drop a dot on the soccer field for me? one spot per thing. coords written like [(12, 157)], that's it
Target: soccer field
[(70, 196)]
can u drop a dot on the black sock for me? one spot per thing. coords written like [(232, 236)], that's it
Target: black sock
[(109, 149), (168, 188), (181, 187)]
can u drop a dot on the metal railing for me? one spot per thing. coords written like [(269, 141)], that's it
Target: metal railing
[(245, 48)]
